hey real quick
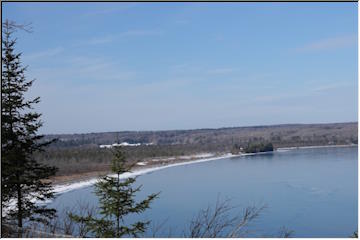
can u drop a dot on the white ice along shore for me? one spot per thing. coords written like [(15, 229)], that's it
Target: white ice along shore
[(124, 144), (58, 189)]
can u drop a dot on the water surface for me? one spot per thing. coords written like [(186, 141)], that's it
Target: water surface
[(310, 191)]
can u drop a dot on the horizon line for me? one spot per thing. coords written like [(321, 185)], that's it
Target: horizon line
[(194, 129)]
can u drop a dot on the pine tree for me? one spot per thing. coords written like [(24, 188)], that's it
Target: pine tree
[(23, 178), (116, 201)]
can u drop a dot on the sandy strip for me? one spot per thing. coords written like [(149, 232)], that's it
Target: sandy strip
[(61, 188), (73, 185)]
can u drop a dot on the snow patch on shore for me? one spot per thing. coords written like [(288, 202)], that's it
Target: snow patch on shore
[(141, 163), (58, 189), (204, 157), (187, 157)]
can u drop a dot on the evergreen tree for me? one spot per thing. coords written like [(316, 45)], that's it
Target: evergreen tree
[(116, 201), (23, 178)]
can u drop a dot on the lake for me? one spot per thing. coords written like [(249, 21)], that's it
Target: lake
[(310, 191)]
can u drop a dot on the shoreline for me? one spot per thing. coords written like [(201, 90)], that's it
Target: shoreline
[(69, 186), (164, 161), (74, 184), (143, 168), (317, 146)]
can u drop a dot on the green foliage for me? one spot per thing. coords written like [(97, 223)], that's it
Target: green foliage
[(259, 147), (235, 149), (21, 175), (116, 201)]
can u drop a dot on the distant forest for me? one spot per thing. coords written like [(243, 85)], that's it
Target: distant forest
[(77, 153)]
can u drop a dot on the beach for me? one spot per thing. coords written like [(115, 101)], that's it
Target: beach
[(71, 182)]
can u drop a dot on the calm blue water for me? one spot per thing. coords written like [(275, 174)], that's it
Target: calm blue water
[(310, 191)]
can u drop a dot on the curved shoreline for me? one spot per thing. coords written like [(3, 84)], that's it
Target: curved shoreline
[(318, 146), (62, 188)]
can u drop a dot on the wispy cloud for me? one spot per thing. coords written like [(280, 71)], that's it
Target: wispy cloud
[(180, 66), (329, 44), (84, 71), (305, 93), (116, 37), (141, 33), (101, 40), (200, 69), (44, 54), (120, 7), (95, 68), (216, 71), (332, 86)]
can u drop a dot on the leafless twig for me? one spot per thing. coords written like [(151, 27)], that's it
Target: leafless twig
[(12, 26), (220, 221)]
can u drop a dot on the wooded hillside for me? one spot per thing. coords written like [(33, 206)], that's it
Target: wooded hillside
[(81, 152)]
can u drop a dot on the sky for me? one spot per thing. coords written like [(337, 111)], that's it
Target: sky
[(158, 66)]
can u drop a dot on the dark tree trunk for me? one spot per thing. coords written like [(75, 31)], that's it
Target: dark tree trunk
[(19, 205)]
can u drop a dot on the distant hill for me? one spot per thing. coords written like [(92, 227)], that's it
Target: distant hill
[(280, 135), (81, 153)]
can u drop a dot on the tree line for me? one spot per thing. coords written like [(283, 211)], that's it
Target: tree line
[(279, 135)]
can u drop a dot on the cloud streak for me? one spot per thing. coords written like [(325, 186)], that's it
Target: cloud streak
[(44, 54), (329, 44), (111, 10), (84, 71), (115, 37), (217, 71), (329, 87)]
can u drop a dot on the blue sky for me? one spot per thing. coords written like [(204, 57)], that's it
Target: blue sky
[(158, 66)]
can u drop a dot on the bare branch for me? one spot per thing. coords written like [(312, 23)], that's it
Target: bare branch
[(220, 221), (155, 228), (285, 233), (12, 26)]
